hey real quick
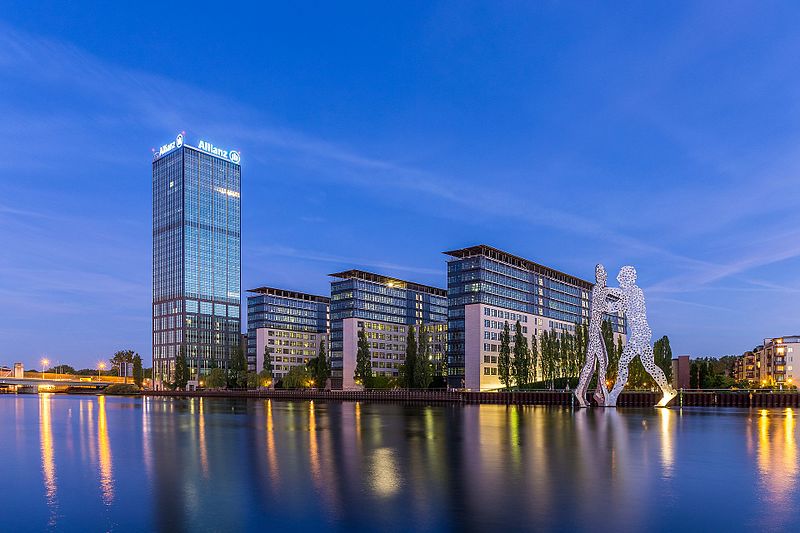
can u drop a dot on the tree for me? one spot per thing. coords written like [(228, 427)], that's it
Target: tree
[(138, 372), (266, 365), (548, 363), (409, 368), (122, 356), (607, 332), (237, 370), (423, 372), (522, 363), (253, 380), (61, 369), (504, 357), (215, 379), (363, 372), (298, 377), (319, 367), (662, 353), (181, 370), (534, 357)]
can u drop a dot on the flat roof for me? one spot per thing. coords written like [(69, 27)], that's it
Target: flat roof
[(514, 260), (389, 281), (284, 293)]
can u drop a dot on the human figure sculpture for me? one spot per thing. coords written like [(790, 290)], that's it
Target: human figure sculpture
[(596, 352), (631, 301)]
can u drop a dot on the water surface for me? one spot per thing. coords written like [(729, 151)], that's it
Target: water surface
[(129, 464)]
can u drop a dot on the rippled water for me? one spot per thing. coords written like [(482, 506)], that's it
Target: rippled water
[(129, 464)]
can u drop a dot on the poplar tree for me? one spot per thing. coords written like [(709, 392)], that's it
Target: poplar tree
[(138, 371), (504, 358), (522, 362), (320, 367), (181, 369), (363, 372), (410, 364), (663, 356), (534, 355), (423, 371), (266, 365), (607, 333)]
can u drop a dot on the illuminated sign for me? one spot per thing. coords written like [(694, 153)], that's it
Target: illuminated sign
[(177, 143), (231, 155)]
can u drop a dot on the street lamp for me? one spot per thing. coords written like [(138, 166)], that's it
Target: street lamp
[(44, 362), (100, 366)]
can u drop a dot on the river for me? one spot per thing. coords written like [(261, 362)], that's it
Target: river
[(96, 463)]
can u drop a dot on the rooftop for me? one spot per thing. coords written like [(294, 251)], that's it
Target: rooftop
[(390, 282), (283, 293), (520, 262)]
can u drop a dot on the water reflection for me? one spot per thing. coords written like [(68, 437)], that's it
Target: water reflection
[(106, 475), (777, 465), (208, 464), (48, 456)]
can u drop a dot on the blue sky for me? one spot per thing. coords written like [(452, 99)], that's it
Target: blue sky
[(376, 135)]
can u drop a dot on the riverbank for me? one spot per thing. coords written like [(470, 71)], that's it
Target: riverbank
[(726, 398)]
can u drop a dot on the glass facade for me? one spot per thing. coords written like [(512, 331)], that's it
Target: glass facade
[(372, 297), (482, 274), (284, 310), (196, 259)]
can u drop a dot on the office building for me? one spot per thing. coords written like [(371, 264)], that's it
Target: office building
[(290, 324), (196, 257), (384, 308), (488, 287)]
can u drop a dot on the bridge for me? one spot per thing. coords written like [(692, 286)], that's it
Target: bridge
[(35, 384)]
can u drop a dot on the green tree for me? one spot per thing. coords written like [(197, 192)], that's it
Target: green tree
[(253, 380), (122, 356), (504, 357), (607, 332), (319, 367), (237, 369), (363, 371), (423, 373), (522, 362), (534, 355), (409, 367), (298, 377), (138, 371), (662, 353), (181, 370), (548, 361), (215, 379), (61, 369), (266, 365)]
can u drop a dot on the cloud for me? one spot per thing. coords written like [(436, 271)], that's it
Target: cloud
[(309, 255)]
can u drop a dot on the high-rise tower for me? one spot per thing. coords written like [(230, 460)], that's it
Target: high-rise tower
[(196, 257)]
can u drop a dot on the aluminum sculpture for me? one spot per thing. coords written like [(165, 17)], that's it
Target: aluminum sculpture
[(596, 353), (629, 299)]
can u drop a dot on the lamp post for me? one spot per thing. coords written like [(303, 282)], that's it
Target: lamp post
[(100, 366), (44, 362)]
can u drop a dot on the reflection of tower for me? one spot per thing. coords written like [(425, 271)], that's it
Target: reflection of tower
[(48, 459), (103, 446)]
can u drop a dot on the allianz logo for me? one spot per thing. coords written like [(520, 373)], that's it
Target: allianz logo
[(231, 155), (177, 143)]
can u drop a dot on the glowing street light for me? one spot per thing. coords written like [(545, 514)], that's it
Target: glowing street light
[(44, 362), (100, 366)]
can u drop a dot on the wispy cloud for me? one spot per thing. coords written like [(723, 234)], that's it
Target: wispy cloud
[(346, 262)]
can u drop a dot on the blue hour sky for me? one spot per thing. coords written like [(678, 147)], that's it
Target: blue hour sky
[(376, 135)]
